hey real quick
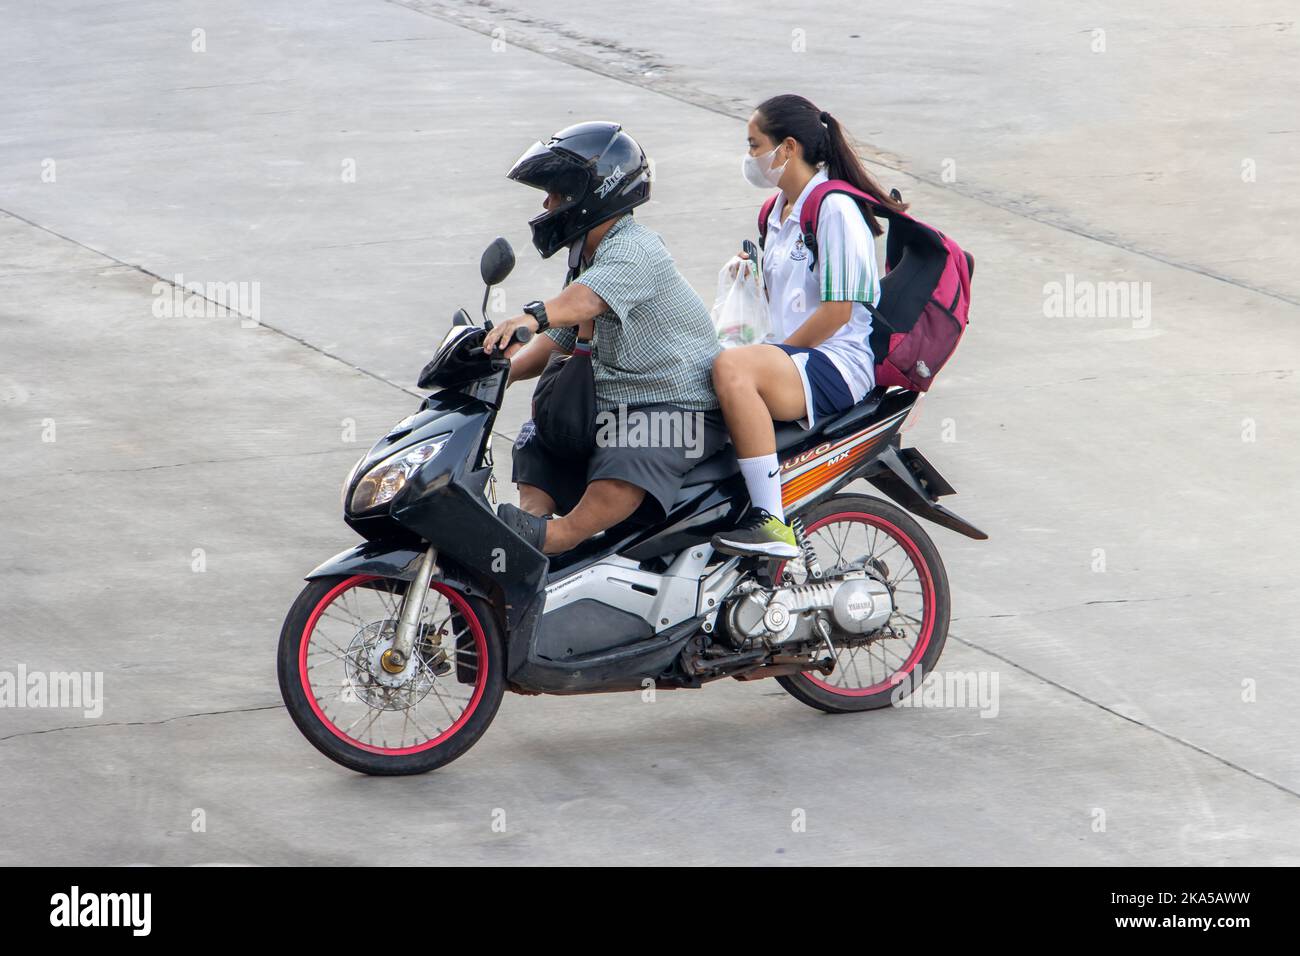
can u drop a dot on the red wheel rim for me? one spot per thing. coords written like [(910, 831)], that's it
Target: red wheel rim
[(461, 606), (927, 600)]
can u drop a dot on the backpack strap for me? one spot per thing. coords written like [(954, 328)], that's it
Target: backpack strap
[(811, 209), (763, 215)]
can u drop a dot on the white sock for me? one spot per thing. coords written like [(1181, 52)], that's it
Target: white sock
[(763, 479)]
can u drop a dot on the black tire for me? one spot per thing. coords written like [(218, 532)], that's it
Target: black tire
[(808, 687), (319, 594)]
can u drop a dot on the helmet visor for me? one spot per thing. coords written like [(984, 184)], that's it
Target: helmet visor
[(543, 168)]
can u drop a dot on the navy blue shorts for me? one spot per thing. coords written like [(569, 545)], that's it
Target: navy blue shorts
[(824, 386)]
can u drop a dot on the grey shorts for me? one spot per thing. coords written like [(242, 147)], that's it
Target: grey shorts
[(650, 446)]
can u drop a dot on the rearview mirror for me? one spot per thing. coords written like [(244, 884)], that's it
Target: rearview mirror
[(498, 259)]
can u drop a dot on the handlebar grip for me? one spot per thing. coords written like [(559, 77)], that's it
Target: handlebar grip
[(520, 336)]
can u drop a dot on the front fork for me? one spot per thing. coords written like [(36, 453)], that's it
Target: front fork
[(408, 618)]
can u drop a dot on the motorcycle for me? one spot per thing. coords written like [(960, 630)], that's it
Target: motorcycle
[(397, 653)]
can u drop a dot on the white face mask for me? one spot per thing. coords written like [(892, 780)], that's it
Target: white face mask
[(758, 170)]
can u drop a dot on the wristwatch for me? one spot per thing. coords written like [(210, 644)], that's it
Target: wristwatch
[(537, 309)]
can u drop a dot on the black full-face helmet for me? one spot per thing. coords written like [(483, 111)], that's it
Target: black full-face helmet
[(599, 170)]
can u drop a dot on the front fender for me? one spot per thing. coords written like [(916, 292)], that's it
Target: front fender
[(389, 560)]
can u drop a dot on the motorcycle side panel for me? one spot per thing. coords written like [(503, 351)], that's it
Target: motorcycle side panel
[(626, 667), (613, 624), (811, 470), (585, 627), (812, 474), (717, 508)]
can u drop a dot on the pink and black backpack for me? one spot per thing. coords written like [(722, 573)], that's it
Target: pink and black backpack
[(924, 294)]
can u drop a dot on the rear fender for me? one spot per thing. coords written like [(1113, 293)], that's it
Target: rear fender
[(906, 477)]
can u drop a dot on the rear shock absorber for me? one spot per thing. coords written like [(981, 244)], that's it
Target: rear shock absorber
[(810, 562)]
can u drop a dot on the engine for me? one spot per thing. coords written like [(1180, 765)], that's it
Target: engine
[(855, 603)]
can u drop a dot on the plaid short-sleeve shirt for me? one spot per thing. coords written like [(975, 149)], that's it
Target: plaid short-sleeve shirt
[(656, 343)]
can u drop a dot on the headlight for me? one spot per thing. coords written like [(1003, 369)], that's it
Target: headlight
[(347, 482), (382, 482)]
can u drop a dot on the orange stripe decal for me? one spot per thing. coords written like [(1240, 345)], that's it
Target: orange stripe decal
[(825, 472)]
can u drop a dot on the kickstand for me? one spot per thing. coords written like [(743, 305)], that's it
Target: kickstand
[(824, 630)]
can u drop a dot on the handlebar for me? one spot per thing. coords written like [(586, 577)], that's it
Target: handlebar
[(521, 336)]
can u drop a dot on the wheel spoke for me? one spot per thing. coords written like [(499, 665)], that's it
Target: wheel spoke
[(343, 646)]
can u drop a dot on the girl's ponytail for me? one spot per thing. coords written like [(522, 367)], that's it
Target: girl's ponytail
[(823, 141)]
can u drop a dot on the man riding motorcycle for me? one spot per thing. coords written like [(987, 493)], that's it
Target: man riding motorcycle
[(651, 340)]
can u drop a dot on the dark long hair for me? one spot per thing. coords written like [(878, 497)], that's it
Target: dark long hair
[(824, 141)]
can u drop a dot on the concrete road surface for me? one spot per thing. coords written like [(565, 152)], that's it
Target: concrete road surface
[(169, 477)]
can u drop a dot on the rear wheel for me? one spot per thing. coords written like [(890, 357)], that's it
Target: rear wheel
[(372, 721), (854, 531)]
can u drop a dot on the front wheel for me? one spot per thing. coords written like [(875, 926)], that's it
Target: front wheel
[(372, 721), (860, 531)]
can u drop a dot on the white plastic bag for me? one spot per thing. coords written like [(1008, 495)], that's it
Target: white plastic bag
[(740, 314)]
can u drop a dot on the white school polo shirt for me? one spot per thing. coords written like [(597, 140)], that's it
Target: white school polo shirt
[(845, 272)]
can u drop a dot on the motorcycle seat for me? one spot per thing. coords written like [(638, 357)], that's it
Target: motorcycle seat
[(723, 464)]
